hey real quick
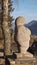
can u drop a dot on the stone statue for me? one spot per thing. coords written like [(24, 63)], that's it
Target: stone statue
[(22, 36)]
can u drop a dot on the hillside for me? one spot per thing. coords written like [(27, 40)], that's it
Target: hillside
[(32, 26)]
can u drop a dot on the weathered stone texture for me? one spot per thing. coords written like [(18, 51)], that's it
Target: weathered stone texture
[(2, 61), (1, 33), (1, 44), (23, 35), (24, 61), (23, 38)]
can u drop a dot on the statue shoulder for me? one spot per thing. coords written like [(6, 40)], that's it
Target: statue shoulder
[(29, 31), (24, 29)]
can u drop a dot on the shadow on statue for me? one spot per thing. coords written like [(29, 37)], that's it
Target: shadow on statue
[(15, 38), (33, 48)]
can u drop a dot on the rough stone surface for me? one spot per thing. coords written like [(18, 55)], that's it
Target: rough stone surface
[(1, 44), (2, 61), (23, 34), (1, 54), (1, 33), (23, 38), (24, 61), (20, 20)]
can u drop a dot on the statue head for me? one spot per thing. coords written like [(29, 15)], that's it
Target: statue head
[(20, 20)]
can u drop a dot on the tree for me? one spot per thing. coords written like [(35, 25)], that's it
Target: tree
[(5, 20)]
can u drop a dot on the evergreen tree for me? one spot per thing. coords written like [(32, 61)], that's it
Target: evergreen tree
[(5, 22)]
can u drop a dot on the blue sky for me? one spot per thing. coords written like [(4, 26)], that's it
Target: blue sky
[(26, 8)]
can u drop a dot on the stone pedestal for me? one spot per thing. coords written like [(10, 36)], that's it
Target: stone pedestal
[(26, 61)]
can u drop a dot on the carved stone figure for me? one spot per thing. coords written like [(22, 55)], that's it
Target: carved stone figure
[(22, 35)]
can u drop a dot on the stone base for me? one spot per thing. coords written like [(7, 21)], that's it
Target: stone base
[(19, 55), (11, 61), (26, 61), (27, 54), (23, 61)]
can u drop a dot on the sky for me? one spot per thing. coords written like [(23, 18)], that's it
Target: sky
[(25, 8)]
